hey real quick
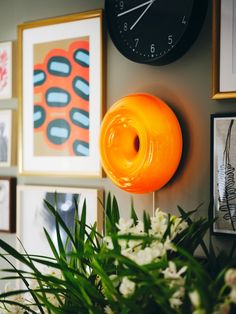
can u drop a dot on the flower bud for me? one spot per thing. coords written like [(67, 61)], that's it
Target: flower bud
[(230, 277)]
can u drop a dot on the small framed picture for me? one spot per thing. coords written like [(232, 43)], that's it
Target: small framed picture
[(5, 70), (8, 204), (61, 86), (223, 167), (6, 152), (33, 216)]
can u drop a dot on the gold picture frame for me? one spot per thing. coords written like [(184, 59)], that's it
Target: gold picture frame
[(223, 49), (61, 95)]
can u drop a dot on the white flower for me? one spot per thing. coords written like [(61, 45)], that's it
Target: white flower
[(177, 226), (139, 228), (159, 223), (127, 287), (168, 245), (172, 273), (124, 225), (176, 298), (230, 277), (135, 244), (175, 303), (127, 252), (158, 249), (232, 295), (108, 242), (145, 256), (195, 298), (115, 280), (176, 281), (108, 310)]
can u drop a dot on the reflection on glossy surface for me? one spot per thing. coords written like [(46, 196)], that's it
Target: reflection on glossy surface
[(140, 143)]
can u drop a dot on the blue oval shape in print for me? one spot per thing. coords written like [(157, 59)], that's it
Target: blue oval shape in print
[(57, 97), (58, 131), (39, 116), (39, 77), (81, 56), (80, 117), (81, 148), (59, 66), (81, 87)]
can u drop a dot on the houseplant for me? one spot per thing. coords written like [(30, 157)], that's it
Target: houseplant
[(143, 266)]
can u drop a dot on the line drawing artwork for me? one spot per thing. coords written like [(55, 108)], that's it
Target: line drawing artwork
[(226, 183)]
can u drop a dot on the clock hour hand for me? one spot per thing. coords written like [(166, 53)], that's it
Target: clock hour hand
[(135, 8), (139, 18)]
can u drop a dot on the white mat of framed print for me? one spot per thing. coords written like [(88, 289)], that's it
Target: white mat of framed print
[(61, 86), (224, 49), (6, 120), (223, 167), (33, 216), (5, 70)]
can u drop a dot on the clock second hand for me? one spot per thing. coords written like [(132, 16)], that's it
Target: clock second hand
[(139, 18), (134, 8)]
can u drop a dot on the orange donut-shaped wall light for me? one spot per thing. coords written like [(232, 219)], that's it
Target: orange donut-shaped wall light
[(140, 143)]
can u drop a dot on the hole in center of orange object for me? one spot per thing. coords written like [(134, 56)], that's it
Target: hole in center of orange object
[(136, 143)]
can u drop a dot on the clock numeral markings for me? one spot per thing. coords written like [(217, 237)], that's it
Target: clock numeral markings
[(125, 27), (184, 20), (170, 39), (121, 5), (152, 48), (136, 42)]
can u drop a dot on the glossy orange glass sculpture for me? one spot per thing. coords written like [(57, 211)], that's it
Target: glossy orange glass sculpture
[(140, 143)]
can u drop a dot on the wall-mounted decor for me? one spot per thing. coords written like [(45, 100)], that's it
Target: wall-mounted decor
[(7, 204), (6, 153), (224, 49), (33, 216), (156, 31), (223, 165), (5, 70), (140, 143), (61, 84)]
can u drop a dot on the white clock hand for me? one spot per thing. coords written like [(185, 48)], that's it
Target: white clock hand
[(139, 18), (135, 8)]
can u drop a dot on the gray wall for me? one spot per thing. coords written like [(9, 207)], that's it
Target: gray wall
[(185, 85)]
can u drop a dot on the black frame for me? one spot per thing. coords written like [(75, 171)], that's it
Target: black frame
[(223, 168)]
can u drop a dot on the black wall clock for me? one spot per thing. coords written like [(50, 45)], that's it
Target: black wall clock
[(154, 31)]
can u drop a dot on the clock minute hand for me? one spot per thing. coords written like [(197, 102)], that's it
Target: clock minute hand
[(139, 18), (135, 8)]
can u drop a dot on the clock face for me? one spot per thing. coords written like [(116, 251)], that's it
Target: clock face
[(154, 31)]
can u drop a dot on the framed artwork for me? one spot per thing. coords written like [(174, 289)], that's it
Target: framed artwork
[(33, 216), (223, 166), (6, 154), (61, 95), (5, 70), (224, 49), (8, 204)]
